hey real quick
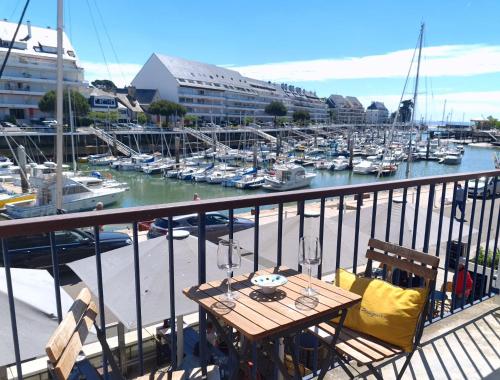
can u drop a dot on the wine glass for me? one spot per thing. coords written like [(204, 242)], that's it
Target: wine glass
[(228, 259), (309, 256)]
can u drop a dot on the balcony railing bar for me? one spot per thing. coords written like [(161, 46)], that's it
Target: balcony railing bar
[(356, 233), (256, 239), (202, 278), (279, 249), (495, 247), (469, 240), (138, 308), (339, 231), (441, 214), (321, 232), (415, 219), (428, 218), (18, 227), (374, 215), (55, 270), (403, 215), (478, 246), (12, 308), (388, 227), (460, 234), (231, 224), (488, 234), (448, 246), (100, 293), (171, 282)]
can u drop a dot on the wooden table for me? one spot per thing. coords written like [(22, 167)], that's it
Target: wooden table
[(263, 317)]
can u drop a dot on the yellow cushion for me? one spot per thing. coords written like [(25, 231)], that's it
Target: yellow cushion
[(386, 312)]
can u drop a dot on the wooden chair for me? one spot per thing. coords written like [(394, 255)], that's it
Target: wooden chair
[(365, 349), (67, 341)]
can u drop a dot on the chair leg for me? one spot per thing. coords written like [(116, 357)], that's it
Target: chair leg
[(375, 373), (405, 364)]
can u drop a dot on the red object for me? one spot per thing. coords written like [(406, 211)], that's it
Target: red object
[(144, 226), (459, 288)]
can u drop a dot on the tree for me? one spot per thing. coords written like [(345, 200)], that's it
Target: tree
[(190, 121), (104, 84), (492, 122), (248, 120), (167, 109), (79, 104), (275, 108), (301, 116), (142, 118)]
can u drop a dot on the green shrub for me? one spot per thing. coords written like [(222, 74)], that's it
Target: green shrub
[(489, 257)]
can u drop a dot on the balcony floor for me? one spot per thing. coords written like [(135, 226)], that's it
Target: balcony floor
[(462, 346)]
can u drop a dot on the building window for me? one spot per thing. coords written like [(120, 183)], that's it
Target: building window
[(71, 53), (17, 113)]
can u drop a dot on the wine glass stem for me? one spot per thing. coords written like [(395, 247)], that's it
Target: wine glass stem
[(309, 269), (228, 282)]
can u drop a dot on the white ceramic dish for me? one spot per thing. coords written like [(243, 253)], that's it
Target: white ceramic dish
[(269, 282)]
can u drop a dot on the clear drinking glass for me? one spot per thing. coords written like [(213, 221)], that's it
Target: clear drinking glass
[(228, 259), (309, 256)]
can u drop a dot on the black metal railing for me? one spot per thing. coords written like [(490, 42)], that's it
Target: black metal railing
[(382, 194)]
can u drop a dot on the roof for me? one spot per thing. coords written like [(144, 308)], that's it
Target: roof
[(354, 102), (132, 105), (377, 106), (145, 96), (44, 40), (199, 74)]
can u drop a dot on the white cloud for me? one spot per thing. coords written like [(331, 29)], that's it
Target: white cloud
[(438, 61), (121, 74), (466, 105)]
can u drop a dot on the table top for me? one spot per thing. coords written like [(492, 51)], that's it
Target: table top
[(258, 315)]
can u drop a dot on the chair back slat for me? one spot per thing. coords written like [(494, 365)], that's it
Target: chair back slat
[(404, 265), (61, 336), (407, 253), (67, 340), (67, 360)]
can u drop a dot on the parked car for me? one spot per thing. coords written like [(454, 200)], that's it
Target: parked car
[(33, 251), (483, 184), (217, 225)]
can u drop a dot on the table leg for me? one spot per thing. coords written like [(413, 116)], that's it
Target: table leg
[(276, 359), (331, 351), (233, 353)]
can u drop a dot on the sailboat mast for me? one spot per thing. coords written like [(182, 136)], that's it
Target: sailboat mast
[(415, 94), (59, 105)]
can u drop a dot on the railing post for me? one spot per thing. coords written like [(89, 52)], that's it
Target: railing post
[(171, 284), (256, 239), (55, 270), (202, 278), (12, 308), (100, 294), (138, 309)]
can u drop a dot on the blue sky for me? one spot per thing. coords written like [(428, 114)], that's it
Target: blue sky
[(360, 48)]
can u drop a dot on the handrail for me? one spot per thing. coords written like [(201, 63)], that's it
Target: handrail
[(19, 227)]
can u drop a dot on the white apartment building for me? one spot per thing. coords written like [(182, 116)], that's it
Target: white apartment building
[(377, 113), (31, 69), (219, 94)]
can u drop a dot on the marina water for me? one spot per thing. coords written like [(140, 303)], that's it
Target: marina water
[(147, 190)]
